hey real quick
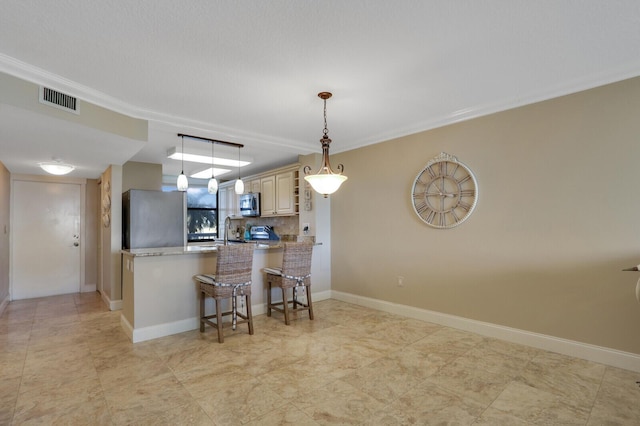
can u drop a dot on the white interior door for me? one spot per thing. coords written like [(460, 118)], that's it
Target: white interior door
[(45, 239)]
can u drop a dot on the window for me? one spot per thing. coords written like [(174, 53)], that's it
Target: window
[(202, 224), (202, 214)]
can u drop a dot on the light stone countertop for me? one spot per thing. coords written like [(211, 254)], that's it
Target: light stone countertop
[(172, 251)]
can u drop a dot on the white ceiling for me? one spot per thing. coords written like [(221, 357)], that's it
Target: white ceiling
[(249, 71)]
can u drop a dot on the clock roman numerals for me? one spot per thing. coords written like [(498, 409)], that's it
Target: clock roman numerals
[(464, 179), (464, 206), (427, 214), (421, 207), (455, 216)]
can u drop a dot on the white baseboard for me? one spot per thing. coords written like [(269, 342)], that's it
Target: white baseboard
[(612, 357), (126, 327), (323, 295), (160, 330), (169, 328), (114, 305), (315, 297), (4, 304)]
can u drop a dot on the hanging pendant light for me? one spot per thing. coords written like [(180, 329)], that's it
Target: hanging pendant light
[(182, 183), (326, 181), (212, 187), (239, 184)]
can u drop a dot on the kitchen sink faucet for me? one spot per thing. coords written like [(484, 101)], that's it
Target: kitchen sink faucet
[(227, 222)]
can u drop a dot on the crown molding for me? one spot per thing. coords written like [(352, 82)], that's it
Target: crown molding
[(35, 75)]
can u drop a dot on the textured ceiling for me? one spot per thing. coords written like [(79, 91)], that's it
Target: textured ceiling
[(249, 71)]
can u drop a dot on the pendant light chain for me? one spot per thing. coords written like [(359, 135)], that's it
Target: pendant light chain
[(326, 130)]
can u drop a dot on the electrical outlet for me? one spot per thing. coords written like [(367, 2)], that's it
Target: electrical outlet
[(400, 281)]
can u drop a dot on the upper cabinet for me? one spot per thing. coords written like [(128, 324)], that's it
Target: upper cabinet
[(268, 196), (228, 202), (279, 194), (252, 186)]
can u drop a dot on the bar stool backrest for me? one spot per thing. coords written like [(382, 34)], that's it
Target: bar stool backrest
[(296, 262), (234, 264)]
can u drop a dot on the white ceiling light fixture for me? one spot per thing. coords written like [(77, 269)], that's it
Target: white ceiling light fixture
[(183, 182), (326, 181), (239, 183), (56, 167), (192, 156), (206, 173)]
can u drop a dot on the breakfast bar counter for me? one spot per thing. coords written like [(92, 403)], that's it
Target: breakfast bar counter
[(159, 295)]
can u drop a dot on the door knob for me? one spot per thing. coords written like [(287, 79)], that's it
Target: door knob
[(76, 244)]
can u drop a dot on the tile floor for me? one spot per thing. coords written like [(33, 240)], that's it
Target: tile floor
[(65, 360)]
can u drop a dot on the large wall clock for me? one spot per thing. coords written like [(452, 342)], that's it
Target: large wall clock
[(445, 192)]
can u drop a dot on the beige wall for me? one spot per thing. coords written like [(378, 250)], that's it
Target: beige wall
[(136, 175), (91, 227), (556, 221), (5, 197), (111, 239), (23, 94)]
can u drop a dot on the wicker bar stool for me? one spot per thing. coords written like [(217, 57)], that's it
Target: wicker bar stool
[(295, 274), (231, 279)]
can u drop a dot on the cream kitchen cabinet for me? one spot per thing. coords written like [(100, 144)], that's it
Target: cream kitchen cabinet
[(277, 194), (228, 204), (253, 186)]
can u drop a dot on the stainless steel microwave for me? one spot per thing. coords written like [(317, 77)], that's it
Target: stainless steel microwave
[(250, 204)]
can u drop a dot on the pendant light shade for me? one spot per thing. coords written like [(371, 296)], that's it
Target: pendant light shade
[(239, 187), (239, 184), (212, 186), (326, 181), (182, 183)]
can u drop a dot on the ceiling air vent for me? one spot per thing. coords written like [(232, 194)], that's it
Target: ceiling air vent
[(59, 100)]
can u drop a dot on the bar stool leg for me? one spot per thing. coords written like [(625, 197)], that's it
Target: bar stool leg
[(285, 305), (269, 299), (219, 321), (202, 296), (249, 314), (308, 289)]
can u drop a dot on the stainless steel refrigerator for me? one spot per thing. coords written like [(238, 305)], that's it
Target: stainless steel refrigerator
[(153, 219)]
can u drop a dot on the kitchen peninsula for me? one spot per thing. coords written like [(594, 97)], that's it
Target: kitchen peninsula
[(160, 297)]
